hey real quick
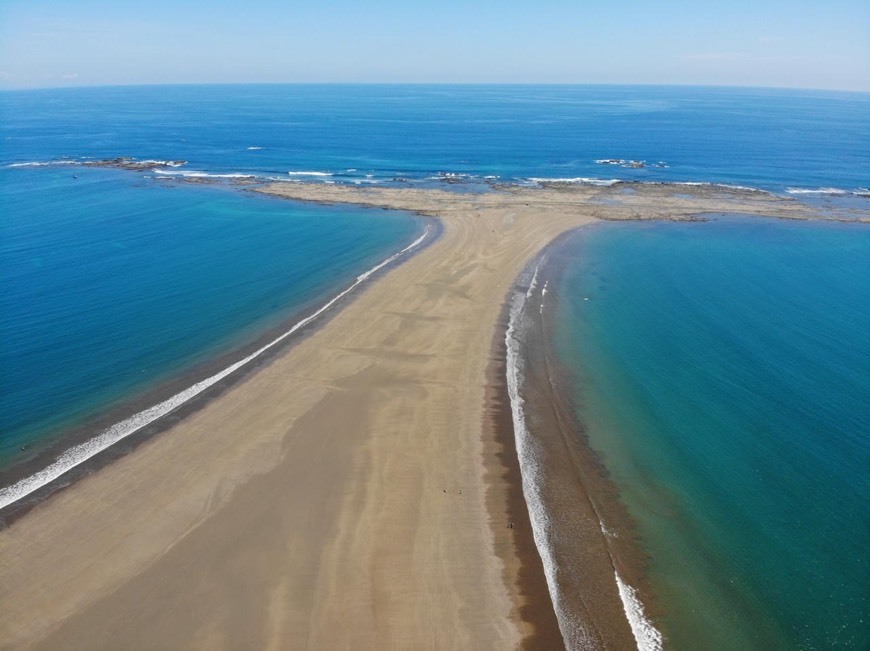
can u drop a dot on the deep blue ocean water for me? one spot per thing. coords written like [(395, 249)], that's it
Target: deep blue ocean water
[(772, 139), (724, 377), (113, 280), (112, 284)]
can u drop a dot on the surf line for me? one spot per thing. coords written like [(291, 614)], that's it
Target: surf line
[(78, 454), (574, 634)]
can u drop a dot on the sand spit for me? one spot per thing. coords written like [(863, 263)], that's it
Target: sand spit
[(343, 496)]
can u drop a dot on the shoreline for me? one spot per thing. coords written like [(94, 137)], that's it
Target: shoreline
[(177, 171), (214, 372), (603, 557), (381, 415), (523, 570)]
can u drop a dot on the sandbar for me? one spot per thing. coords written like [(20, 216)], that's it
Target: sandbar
[(357, 490)]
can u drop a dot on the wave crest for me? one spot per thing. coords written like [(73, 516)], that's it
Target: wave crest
[(830, 192), (194, 174), (78, 454), (46, 163), (579, 180), (574, 634)]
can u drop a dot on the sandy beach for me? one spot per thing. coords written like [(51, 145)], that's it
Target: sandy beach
[(359, 490)]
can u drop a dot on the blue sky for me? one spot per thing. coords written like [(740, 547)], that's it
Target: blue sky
[(45, 43)]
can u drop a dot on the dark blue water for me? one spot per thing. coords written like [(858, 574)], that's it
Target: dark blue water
[(725, 380), (729, 357), (773, 139), (112, 284)]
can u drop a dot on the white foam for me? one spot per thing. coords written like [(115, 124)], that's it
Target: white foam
[(580, 180), (166, 163), (84, 451), (646, 635), (195, 174), (543, 295), (533, 283), (622, 162), (44, 163), (634, 164), (254, 148), (309, 173), (574, 634), (829, 191)]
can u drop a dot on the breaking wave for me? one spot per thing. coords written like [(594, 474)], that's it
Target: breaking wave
[(830, 192), (575, 636), (46, 163), (580, 180), (195, 174), (78, 454)]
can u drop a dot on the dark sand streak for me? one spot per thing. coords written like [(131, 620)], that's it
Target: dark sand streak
[(509, 515), (489, 237), (125, 408)]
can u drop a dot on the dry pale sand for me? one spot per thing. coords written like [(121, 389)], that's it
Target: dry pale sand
[(338, 497)]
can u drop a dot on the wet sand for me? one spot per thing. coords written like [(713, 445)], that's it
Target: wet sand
[(587, 528), (355, 491)]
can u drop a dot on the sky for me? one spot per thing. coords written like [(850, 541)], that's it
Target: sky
[(821, 44)]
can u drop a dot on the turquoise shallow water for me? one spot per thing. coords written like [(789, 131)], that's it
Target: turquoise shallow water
[(724, 376), (112, 284), (728, 356)]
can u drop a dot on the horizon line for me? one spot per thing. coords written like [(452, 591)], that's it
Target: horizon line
[(431, 83)]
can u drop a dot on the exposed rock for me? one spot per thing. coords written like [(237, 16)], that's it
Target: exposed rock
[(126, 163)]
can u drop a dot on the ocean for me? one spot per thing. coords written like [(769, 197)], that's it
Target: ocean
[(114, 286), (803, 141), (719, 369), (722, 372)]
